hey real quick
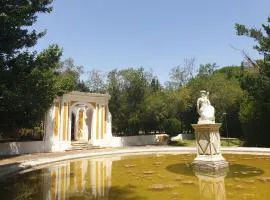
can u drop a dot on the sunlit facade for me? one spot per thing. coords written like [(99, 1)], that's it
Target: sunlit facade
[(78, 116)]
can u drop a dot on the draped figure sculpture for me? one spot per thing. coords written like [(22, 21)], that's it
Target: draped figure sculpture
[(205, 110), (209, 157)]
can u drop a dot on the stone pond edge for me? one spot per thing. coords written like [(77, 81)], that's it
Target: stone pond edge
[(33, 164)]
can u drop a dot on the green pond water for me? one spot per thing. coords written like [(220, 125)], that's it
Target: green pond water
[(155, 176)]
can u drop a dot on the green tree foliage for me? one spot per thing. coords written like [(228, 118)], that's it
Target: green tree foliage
[(207, 69), (155, 85), (27, 87), (139, 103), (28, 81), (135, 83), (172, 126), (15, 17), (82, 86), (225, 96), (261, 37), (68, 77), (181, 74), (255, 107), (115, 90), (155, 111), (23, 75), (128, 89)]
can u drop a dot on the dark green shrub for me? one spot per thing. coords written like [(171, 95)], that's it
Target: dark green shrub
[(172, 126)]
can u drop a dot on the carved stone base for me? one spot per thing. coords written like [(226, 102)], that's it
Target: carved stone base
[(211, 166), (209, 156)]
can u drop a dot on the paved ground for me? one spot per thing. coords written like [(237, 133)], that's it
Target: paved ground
[(5, 160), (16, 163)]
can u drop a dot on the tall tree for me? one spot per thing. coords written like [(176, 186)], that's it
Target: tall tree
[(261, 37), (128, 89), (135, 85), (207, 69), (155, 85), (28, 88), (15, 17), (28, 81), (96, 81), (68, 77), (255, 107), (115, 91), (181, 74)]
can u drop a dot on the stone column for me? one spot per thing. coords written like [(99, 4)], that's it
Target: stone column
[(76, 125), (109, 123), (209, 156)]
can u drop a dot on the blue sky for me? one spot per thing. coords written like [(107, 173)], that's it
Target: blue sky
[(156, 34)]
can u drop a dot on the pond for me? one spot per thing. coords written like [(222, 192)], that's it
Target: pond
[(153, 176)]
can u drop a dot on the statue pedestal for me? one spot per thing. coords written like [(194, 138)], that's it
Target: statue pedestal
[(209, 156)]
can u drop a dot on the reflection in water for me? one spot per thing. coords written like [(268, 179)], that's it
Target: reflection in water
[(181, 168), (211, 183), (141, 177), (90, 178), (211, 186), (243, 171)]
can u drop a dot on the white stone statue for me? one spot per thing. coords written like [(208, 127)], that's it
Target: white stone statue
[(205, 110)]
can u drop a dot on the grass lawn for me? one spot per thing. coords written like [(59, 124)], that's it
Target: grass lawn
[(183, 143), (231, 142)]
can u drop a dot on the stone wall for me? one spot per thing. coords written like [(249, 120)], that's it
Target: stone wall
[(135, 140), (13, 148)]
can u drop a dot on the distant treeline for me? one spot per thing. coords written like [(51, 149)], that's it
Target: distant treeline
[(29, 82), (140, 104)]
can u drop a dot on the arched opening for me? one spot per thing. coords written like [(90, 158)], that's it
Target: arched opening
[(81, 117), (73, 120)]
